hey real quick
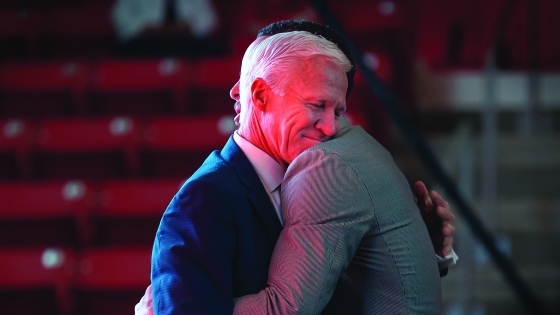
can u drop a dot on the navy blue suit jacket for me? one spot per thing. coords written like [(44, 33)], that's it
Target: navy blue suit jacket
[(215, 239)]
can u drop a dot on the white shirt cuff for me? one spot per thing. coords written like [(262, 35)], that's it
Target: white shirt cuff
[(447, 261)]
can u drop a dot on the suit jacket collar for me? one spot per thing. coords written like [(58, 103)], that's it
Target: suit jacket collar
[(233, 154)]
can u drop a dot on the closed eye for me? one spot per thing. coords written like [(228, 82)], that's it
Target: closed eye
[(320, 105), (317, 106), (338, 112)]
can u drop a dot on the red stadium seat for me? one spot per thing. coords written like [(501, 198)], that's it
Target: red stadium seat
[(455, 36), (176, 147), (140, 86), (381, 63), (86, 148), (212, 81), (83, 31), (38, 89), (16, 137), (53, 213), (18, 33), (549, 54), (370, 16), (111, 281), (129, 211), (35, 281)]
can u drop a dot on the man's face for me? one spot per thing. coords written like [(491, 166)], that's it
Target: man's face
[(308, 112)]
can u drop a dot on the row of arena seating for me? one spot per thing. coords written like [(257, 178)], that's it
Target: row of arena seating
[(95, 148), (83, 214), (445, 35), (61, 281), (162, 86), (85, 29), (77, 29), (30, 31)]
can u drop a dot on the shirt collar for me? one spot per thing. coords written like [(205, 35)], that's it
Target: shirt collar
[(270, 172)]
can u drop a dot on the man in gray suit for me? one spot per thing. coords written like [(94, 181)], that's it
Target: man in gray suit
[(347, 210)]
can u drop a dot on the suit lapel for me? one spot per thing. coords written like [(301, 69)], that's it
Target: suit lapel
[(256, 192)]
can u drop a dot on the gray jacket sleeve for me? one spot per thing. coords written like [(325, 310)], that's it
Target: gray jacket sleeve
[(325, 218)]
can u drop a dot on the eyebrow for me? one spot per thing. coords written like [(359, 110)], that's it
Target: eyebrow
[(313, 100)]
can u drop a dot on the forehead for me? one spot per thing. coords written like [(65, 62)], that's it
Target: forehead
[(319, 78)]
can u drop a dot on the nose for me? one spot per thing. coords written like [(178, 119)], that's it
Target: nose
[(234, 92), (328, 124)]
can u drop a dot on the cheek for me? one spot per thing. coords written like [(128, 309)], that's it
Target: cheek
[(296, 132), (269, 127), (295, 126), (303, 120), (300, 141), (297, 149), (294, 150)]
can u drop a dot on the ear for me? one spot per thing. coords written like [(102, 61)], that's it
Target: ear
[(260, 92)]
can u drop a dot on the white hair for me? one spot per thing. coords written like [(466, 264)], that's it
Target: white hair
[(272, 59)]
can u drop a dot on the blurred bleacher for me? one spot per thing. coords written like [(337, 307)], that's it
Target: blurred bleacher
[(96, 137)]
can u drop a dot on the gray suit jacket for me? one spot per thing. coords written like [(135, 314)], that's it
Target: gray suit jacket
[(349, 213)]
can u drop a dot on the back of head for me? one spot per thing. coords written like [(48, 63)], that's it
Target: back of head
[(273, 58), (317, 29)]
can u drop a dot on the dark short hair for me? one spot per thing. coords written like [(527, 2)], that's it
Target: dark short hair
[(319, 30)]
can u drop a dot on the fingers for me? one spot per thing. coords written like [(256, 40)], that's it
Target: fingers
[(447, 218), (439, 199), (443, 209), (447, 246), (420, 188), (448, 229), (422, 196), (447, 241), (434, 207), (448, 232)]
